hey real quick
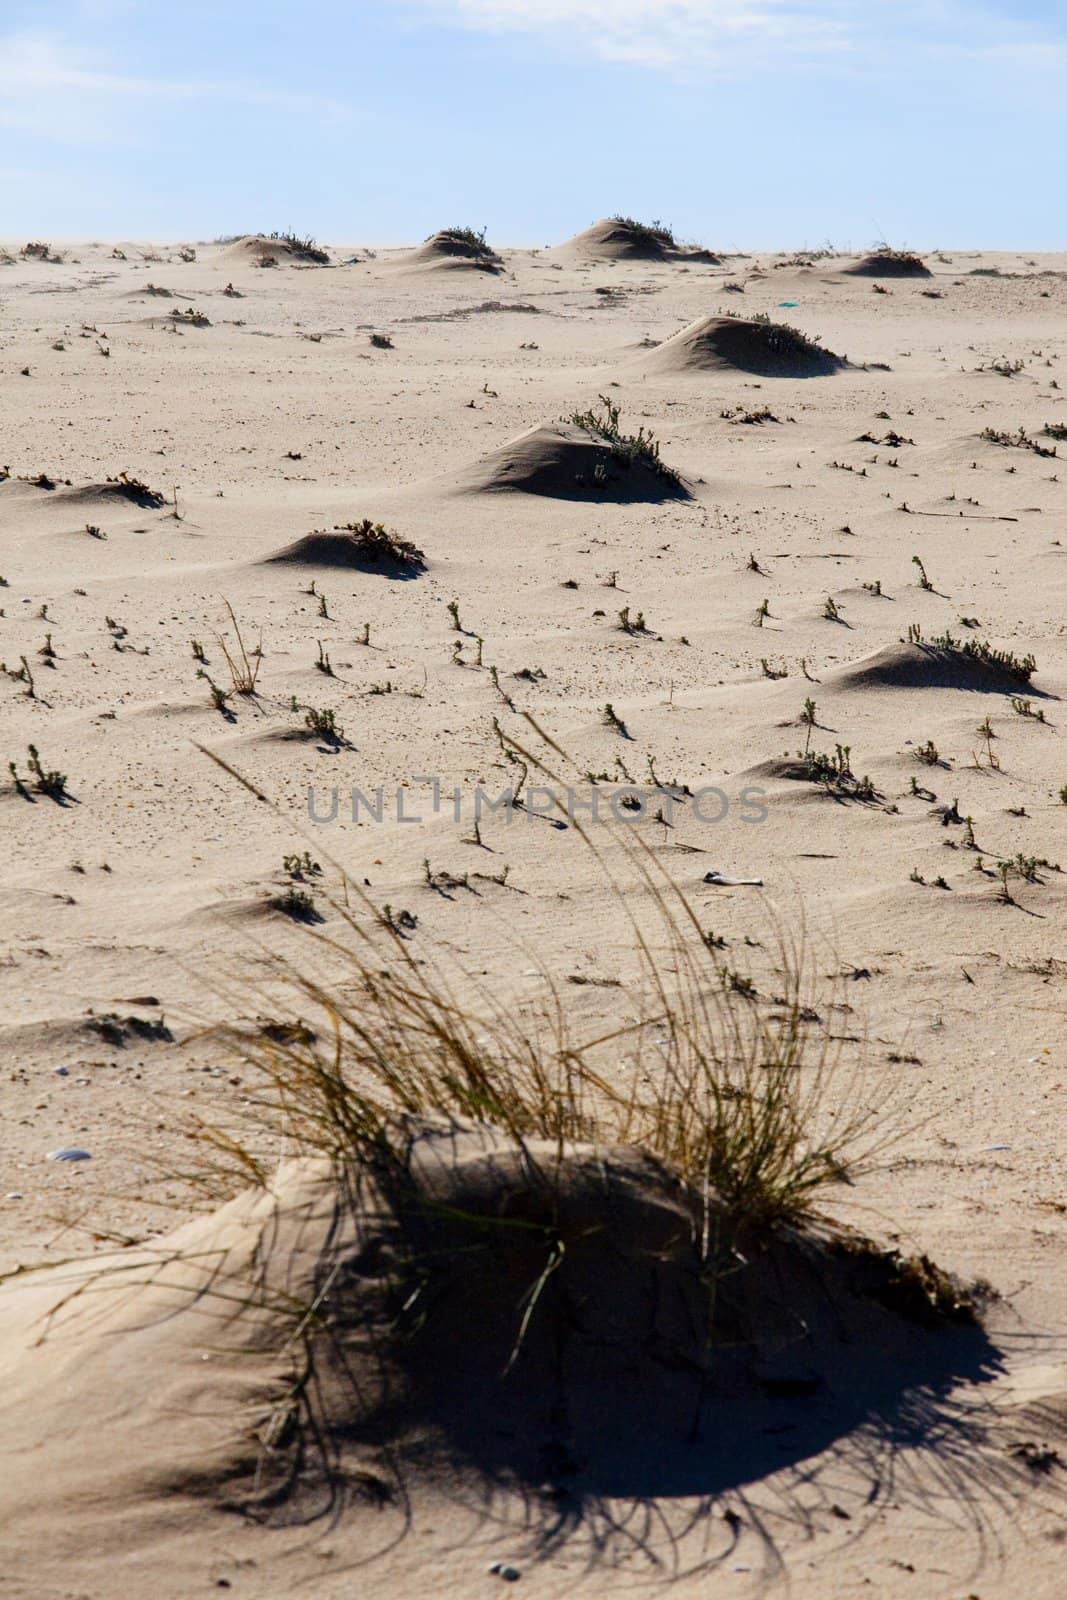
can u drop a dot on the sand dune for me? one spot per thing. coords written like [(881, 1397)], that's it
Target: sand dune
[(566, 462), (451, 250), (769, 349), (623, 239)]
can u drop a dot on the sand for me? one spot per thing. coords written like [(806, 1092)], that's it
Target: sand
[(143, 904)]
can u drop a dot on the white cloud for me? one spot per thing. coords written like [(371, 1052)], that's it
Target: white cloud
[(50, 86), (676, 33)]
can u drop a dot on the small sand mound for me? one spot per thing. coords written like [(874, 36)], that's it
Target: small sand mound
[(889, 264), (623, 239), (358, 547), (63, 492), (287, 248), (935, 666), (771, 349), (565, 462), (131, 490), (453, 249), (611, 1356)]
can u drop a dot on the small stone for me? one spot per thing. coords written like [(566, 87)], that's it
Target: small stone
[(71, 1153), (503, 1569)]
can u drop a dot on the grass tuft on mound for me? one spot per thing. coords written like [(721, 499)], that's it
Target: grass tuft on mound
[(473, 240), (379, 545), (305, 248), (627, 449), (785, 341), (654, 235)]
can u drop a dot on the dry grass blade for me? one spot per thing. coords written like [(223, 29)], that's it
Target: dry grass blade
[(244, 668)]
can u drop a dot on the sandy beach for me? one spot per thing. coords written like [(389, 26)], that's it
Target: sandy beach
[(816, 633)]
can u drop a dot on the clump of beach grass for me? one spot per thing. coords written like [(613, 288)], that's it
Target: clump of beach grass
[(733, 1097), (628, 449)]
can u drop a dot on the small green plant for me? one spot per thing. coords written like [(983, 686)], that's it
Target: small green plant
[(1025, 708), (301, 867), (613, 720), (924, 581), (381, 341), (633, 625), (219, 696), (198, 652), (45, 780), (830, 610), (323, 724), (875, 587), (835, 773), (453, 611), (762, 610), (928, 754), (323, 662), (297, 904), (738, 983)]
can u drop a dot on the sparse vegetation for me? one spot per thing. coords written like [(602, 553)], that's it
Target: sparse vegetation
[(302, 246), (1018, 441), (323, 724), (980, 650), (44, 780), (835, 774), (653, 235), (627, 449), (472, 241), (244, 665), (377, 545), (784, 341)]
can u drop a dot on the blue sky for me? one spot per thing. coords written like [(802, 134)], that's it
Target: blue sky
[(743, 123)]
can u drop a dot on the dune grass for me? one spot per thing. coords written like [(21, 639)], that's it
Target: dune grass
[(628, 449), (303, 246), (654, 235), (472, 240), (739, 1094)]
